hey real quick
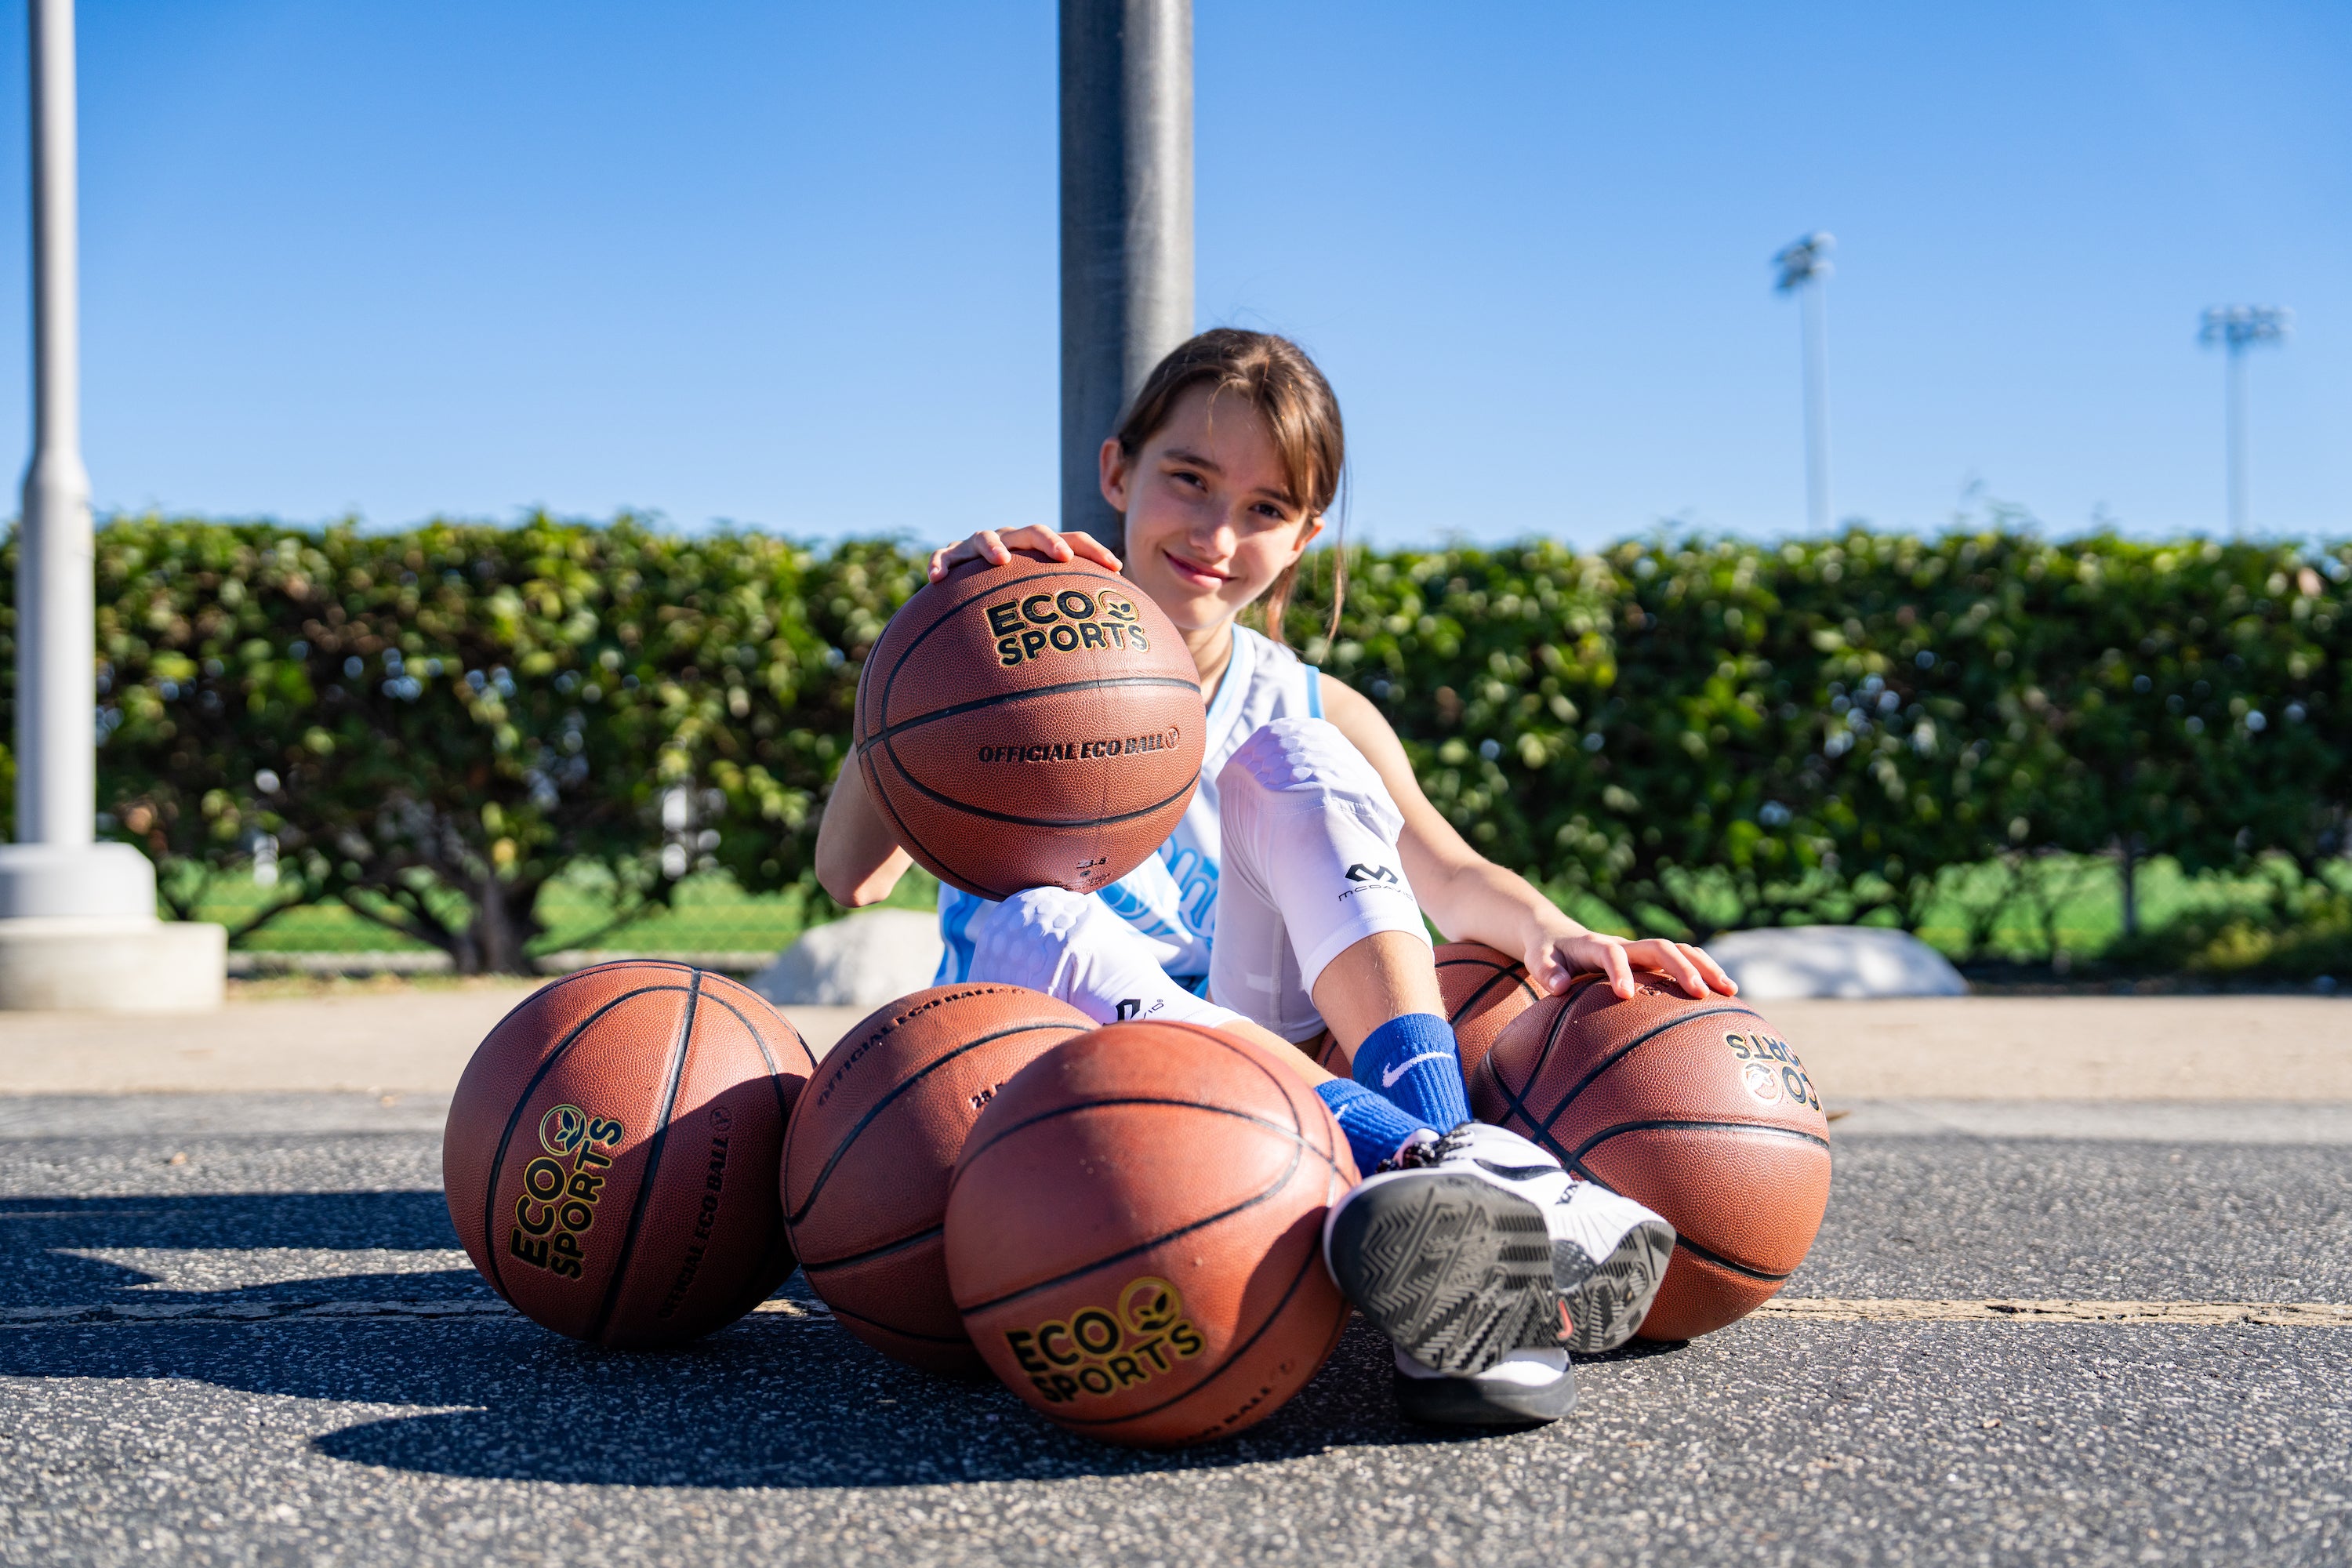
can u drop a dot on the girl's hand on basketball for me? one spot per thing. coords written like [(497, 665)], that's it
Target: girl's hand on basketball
[(1561, 959), (996, 548)]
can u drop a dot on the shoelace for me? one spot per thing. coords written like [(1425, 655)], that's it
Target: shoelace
[(1428, 1151)]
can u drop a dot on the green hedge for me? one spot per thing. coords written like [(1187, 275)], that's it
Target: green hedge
[(429, 725), (1711, 733)]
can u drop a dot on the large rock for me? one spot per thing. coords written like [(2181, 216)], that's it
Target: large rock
[(860, 961), (1790, 961)]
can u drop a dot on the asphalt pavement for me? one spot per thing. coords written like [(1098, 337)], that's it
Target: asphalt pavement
[(349, 1391)]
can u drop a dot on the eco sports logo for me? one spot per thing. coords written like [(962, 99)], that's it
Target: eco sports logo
[(1065, 622), (1770, 1070), (1096, 1352), (558, 1204)]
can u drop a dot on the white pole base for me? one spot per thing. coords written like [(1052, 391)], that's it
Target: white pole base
[(100, 964), (109, 880)]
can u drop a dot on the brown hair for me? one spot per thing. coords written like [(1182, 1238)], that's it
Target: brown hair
[(1274, 376)]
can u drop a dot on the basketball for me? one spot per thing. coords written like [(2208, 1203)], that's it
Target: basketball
[(1695, 1107), (1484, 990), (609, 1154), (871, 1146), (1032, 725), (1134, 1234)]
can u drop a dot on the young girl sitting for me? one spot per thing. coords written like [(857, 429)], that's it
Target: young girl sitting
[(1290, 899)]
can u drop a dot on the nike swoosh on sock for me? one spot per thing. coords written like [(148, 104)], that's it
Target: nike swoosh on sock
[(1388, 1076)]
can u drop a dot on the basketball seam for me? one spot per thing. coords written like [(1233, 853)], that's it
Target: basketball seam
[(936, 861), (514, 1116), (1496, 978), (782, 1240), (899, 1018), (871, 1253), (1282, 1086), (1012, 821), (956, 710), (841, 1149), (1576, 1161), (659, 1140), (894, 1328), (1709, 1123), (1717, 1258), (1628, 1049), (1296, 1133), (1511, 1096), (1289, 1173)]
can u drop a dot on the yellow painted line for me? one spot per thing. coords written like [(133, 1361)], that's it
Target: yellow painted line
[(2194, 1314)]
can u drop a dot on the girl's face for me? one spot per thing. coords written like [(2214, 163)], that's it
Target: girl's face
[(1211, 520)]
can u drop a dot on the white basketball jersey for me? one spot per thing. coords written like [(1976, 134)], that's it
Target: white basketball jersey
[(1171, 897)]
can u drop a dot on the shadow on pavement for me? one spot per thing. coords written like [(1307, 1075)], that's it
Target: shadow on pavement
[(768, 1403), (40, 1237), (772, 1401)]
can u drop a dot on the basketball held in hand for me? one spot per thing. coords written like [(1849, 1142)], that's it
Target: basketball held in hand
[(1695, 1105), (1032, 725)]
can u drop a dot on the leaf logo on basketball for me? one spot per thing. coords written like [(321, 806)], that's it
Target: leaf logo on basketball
[(1770, 1069), (1093, 1353), (562, 1130), (1149, 1306)]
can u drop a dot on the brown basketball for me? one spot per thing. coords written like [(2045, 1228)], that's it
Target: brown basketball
[(1032, 725), (1696, 1108), (1484, 990), (873, 1143), (1326, 1052), (608, 1154), (1134, 1234)]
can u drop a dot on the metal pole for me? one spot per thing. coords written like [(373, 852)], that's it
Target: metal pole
[(1126, 223), (2234, 375), (2238, 328), (56, 692), (1817, 402)]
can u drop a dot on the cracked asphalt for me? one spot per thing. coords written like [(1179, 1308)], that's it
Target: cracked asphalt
[(480, 1437)]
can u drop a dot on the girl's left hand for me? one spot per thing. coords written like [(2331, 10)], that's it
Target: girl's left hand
[(1554, 959)]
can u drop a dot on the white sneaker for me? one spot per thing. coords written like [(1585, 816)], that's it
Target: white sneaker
[(1454, 1265), (1608, 1253), (1525, 1388)]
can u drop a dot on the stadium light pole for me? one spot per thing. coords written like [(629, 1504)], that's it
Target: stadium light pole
[(1126, 223), (77, 926), (2238, 328), (1804, 266)]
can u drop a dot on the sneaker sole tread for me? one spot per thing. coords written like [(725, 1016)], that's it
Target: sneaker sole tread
[(1457, 1272)]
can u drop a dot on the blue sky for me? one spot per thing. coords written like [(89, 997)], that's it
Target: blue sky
[(794, 265)]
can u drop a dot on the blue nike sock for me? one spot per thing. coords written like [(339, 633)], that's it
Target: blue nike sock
[(1416, 1061), (1375, 1128)]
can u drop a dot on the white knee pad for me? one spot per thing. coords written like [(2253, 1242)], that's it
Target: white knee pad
[(1310, 869), (1073, 948)]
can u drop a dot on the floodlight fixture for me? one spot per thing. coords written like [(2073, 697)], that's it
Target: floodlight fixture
[(1804, 266), (2238, 328), (1805, 260)]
